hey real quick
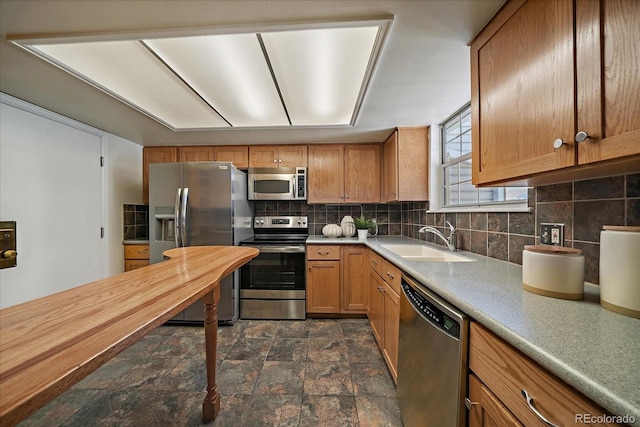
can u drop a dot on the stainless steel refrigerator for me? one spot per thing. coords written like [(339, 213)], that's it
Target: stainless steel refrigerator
[(199, 204)]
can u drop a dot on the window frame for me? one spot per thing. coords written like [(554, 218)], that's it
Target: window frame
[(444, 186)]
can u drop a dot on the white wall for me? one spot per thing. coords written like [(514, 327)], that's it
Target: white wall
[(52, 185), (123, 186)]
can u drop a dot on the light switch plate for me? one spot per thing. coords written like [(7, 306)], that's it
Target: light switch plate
[(552, 234)]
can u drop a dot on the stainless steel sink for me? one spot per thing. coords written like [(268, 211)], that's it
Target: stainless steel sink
[(424, 253)]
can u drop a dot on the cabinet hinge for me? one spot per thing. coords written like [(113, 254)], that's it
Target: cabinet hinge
[(101, 161), (102, 232)]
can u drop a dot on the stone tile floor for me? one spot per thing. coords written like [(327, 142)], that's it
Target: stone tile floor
[(321, 372)]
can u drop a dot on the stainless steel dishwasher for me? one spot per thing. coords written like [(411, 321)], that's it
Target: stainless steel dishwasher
[(432, 359)]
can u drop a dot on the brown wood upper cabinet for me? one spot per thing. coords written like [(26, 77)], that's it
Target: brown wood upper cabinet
[(198, 153), (271, 156), (155, 155), (405, 165), (236, 154), (532, 107), (344, 173)]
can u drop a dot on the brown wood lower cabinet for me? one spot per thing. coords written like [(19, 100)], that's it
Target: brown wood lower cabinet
[(355, 279), (135, 256), (487, 410), (384, 309), (501, 374), (337, 282)]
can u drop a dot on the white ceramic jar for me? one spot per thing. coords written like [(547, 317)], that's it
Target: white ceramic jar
[(347, 226), (620, 269), (553, 271)]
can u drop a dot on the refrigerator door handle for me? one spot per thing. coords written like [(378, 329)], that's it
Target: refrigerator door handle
[(177, 221), (183, 217)]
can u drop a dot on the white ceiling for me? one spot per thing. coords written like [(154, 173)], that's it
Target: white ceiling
[(422, 76)]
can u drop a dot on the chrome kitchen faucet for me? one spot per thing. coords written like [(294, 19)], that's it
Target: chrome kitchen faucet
[(449, 240)]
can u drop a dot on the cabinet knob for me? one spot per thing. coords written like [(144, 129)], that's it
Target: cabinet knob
[(275, 161), (582, 136), (469, 404), (558, 143), (280, 161), (347, 196), (390, 276)]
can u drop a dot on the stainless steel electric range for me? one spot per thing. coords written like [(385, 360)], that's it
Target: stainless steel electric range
[(272, 285)]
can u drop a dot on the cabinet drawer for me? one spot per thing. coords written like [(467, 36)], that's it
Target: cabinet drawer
[(323, 252), (375, 262), (132, 264), (136, 252), (392, 275), (506, 372)]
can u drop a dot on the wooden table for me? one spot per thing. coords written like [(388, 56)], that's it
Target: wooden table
[(51, 343)]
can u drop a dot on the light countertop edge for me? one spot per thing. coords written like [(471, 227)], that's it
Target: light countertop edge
[(593, 349), (135, 242)]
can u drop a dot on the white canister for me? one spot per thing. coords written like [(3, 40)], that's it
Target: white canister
[(620, 269), (553, 271), (348, 227)]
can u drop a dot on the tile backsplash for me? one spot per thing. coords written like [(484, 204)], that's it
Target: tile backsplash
[(583, 206), (135, 222)]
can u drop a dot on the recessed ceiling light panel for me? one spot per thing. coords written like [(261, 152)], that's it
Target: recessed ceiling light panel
[(230, 72), (130, 72), (321, 71), (278, 76)]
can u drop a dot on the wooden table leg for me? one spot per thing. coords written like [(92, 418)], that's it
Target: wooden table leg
[(211, 404)]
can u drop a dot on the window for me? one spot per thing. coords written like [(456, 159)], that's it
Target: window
[(456, 167)]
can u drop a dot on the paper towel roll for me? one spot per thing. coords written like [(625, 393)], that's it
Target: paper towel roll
[(620, 270)]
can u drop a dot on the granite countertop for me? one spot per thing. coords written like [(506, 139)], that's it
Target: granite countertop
[(593, 349)]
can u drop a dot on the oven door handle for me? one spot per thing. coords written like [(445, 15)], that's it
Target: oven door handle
[(280, 249)]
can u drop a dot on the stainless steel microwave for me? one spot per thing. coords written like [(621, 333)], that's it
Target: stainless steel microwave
[(285, 183)]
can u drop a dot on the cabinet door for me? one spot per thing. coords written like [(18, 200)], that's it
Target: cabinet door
[(362, 173), (292, 155), (390, 168), (376, 304), (323, 287), (608, 87), (263, 156), (238, 155), (136, 251), (522, 91), (155, 155), (196, 154), (355, 279), (326, 174), (391, 329), (487, 410)]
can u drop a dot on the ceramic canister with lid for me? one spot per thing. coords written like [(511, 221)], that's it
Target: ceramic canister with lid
[(620, 269), (553, 271)]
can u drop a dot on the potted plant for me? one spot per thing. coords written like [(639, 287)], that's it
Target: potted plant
[(362, 225)]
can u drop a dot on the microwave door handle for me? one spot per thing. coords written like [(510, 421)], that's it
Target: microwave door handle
[(184, 236), (177, 220)]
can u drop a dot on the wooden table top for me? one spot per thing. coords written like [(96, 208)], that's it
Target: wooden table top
[(49, 344)]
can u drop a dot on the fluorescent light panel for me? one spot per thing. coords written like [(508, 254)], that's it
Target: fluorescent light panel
[(302, 77), (321, 71)]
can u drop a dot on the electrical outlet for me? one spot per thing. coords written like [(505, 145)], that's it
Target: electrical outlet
[(552, 234)]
